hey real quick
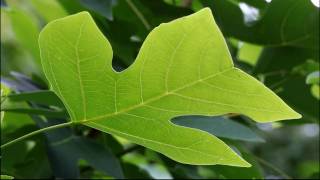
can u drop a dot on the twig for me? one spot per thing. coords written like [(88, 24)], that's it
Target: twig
[(139, 14)]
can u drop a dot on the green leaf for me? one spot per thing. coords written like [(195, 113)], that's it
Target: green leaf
[(284, 69), (102, 7), (23, 158), (253, 172), (54, 12), (315, 91), (313, 78), (183, 67), (40, 97), (134, 172), (219, 126), (6, 177), (26, 30), (73, 148), (282, 22), (45, 112), (249, 53), (4, 93)]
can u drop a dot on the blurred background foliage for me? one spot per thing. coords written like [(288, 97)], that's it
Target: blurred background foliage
[(276, 41)]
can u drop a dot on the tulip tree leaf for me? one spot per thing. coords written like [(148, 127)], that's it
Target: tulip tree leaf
[(183, 67)]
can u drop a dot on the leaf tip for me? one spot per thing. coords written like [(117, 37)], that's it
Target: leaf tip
[(246, 164), (206, 10), (240, 162), (296, 115), (292, 114)]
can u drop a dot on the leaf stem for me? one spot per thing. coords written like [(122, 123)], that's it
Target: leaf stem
[(35, 133), (139, 14)]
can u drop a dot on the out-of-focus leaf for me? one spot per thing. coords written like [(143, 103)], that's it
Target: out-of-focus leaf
[(12, 84), (38, 111), (282, 60), (23, 82), (112, 143), (253, 172), (4, 92), (307, 169), (134, 172), (155, 169), (72, 6), (249, 53), (315, 176), (13, 121), (283, 22), (6, 176), (26, 32), (153, 12), (65, 150), (298, 95), (102, 7), (284, 69), (43, 97), (219, 126), (23, 158), (80, 148), (313, 78), (127, 31), (179, 171), (309, 66), (315, 91), (3, 3), (49, 9)]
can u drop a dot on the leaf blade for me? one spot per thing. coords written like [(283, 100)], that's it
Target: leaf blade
[(148, 93)]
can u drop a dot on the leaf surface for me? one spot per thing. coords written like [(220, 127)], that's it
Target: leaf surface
[(183, 67)]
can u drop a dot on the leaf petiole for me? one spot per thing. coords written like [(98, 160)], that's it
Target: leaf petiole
[(35, 133)]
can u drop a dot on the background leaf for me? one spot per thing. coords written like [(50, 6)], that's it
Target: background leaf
[(220, 127)]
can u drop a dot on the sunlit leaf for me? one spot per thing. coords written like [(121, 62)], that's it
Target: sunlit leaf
[(170, 77)]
